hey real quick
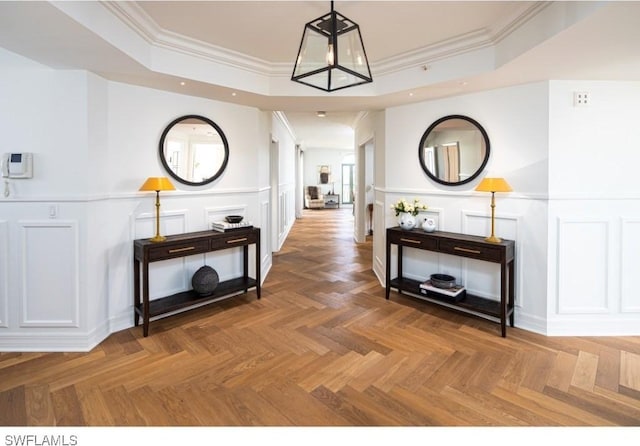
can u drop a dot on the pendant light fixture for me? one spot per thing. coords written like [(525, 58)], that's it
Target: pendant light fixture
[(331, 55)]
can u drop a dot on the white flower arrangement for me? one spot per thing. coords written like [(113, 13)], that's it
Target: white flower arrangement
[(403, 205)]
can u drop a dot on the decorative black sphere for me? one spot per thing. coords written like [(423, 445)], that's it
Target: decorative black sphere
[(205, 281)]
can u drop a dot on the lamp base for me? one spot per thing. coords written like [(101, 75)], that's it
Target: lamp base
[(493, 239), (157, 238)]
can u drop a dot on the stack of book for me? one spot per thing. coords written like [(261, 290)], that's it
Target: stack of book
[(223, 226), (455, 293)]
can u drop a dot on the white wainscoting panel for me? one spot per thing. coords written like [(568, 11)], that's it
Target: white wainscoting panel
[(286, 216), (436, 213), (172, 222), (629, 268), (169, 276), (475, 272), (4, 274), (50, 274), (282, 219), (379, 248), (265, 239), (583, 280), (218, 213)]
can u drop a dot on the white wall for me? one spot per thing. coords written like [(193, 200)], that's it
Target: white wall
[(371, 131), (66, 235), (573, 213), (315, 157), (286, 182), (594, 210), (42, 296)]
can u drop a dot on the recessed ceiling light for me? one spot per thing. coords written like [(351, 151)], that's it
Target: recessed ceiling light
[(321, 114), (183, 83), (411, 93), (234, 93)]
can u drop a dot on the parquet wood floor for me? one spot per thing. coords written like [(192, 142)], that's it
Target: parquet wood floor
[(324, 348)]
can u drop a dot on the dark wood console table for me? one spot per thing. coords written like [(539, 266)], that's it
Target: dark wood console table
[(460, 245), (182, 245), (332, 201)]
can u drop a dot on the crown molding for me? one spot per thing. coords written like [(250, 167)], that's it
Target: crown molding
[(526, 15), (132, 15), (285, 122), (423, 56), (139, 21)]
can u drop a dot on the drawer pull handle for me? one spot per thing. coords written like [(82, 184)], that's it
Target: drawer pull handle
[(408, 240), (472, 251), (237, 240), (188, 248)]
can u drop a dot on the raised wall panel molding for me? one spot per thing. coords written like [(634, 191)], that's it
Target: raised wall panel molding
[(4, 274), (171, 222), (436, 213), (265, 243), (50, 274), (379, 217), (167, 277), (583, 281), (507, 227), (218, 213), (628, 271)]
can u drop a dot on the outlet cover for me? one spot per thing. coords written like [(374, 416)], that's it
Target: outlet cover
[(581, 98)]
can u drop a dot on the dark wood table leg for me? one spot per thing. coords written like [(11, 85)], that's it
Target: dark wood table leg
[(503, 299), (245, 265), (512, 306), (145, 299), (388, 271), (400, 268), (136, 292), (258, 262)]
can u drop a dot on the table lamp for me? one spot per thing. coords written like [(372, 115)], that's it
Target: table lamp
[(493, 185), (157, 184)]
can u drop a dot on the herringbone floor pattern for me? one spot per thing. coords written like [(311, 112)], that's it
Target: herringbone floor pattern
[(324, 348)]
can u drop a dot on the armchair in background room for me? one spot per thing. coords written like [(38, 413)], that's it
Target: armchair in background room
[(313, 199)]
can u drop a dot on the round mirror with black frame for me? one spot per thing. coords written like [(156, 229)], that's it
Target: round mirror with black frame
[(194, 150), (454, 150)]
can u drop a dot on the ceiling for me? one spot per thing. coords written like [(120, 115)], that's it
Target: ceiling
[(243, 51)]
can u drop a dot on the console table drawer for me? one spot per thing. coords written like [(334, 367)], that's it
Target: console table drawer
[(471, 250), (178, 250), (411, 240), (233, 239)]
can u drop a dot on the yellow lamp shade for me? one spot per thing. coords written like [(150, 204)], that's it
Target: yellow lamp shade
[(493, 185), (157, 184)]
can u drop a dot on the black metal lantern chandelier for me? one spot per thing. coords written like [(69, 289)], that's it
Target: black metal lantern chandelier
[(331, 55)]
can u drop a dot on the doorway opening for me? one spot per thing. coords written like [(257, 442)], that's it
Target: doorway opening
[(348, 184)]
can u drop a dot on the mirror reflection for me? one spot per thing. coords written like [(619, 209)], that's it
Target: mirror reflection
[(454, 150), (194, 150)]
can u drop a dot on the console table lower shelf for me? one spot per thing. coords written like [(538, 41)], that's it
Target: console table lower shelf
[(469, 304), (190, 298)]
